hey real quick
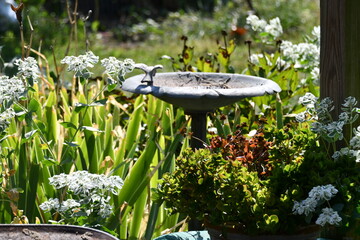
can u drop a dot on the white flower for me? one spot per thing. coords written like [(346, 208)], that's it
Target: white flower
[(344, 117), (301, 117), (306, 206), (317, 127), (85, 183), (344, 152), (329, 216), (254, 58), (52, 203), (350, 102), (59, 181), (68, 204), (116, 68), (81, 63), (316, 35), (315, 75), (355, 142), (334, 130), (325, 192), (5, 116), (256, 23), (10, 88), (303, 55), (274, 28), (105, 210), (308, 99), (28, 68)]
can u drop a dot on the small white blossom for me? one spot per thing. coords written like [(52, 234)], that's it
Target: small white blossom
[(350, 102), (316, 35), (10, 88), (344, 152), (329, 216), (59, 181), (116, 68), (5, 116), (355, 142), (315, 75), (274, 28), (308, 99), (301, 117), (254, 58), (105, 210), (68, 205), (81, 64), (325, 192), (256, 23), (344, 117), (28, 68), (52, 203), (306, 206), (334, 130)]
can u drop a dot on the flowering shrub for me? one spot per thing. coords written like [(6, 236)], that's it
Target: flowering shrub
[(90, 195)]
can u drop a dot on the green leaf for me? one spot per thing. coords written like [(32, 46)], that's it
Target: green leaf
[(98, 103), (188, 54), (30, 134), (68, 125), (111, 87), (34, 105), (71, 144), (223, 56), (231, 46), (91, 129)]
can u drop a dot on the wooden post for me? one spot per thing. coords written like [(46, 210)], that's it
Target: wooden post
[(340, 50)]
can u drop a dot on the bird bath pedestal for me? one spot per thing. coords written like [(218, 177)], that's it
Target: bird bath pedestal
[(198, 92)]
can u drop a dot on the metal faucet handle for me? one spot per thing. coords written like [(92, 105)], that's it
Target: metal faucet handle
[(150, 72)]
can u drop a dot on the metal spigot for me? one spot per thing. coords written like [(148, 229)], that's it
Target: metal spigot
[(150, 72)]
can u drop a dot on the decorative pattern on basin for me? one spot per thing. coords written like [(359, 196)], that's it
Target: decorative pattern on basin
[(200, 91)]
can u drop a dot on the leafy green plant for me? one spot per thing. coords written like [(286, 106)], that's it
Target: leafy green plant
[(259, 186)]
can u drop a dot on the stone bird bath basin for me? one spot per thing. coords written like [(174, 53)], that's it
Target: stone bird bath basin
[(51, 232), (198, 92), (201, 92)]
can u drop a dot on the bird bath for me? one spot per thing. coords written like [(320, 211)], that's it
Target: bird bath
[(198, 92)]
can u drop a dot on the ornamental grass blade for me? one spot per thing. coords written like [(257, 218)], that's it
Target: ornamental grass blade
[(138, 216), (134, 124)]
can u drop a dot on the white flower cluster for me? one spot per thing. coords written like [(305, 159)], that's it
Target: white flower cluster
[(28, 68), (302, 55), (10, 89), (316, 197), (81, 64), (5, 116), (273, 29), (84, 183), (324, 125), (309, 101), (329, 216), (92, 191), (116, 68)]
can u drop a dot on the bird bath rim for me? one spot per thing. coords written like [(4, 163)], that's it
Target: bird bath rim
[(201, 91)]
